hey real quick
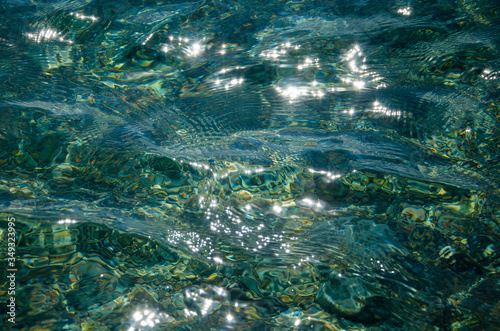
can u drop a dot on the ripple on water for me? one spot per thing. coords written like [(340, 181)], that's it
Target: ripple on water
[(289, 165)]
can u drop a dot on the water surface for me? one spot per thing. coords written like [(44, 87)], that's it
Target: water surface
[(251, 165)]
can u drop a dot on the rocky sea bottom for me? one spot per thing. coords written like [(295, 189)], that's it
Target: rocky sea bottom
[(281, 249), (249, 165)]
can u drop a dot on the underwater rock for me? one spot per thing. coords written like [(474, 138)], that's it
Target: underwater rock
[(485, 250), (348, 297)]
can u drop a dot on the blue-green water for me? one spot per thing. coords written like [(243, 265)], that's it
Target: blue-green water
[(250, 165)]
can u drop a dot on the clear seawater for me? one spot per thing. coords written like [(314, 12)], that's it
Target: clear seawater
[(251, 165)]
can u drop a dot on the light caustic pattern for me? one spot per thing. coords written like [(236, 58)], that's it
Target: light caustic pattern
[(278, 164)]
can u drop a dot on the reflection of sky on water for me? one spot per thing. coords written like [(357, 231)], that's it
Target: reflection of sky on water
[(354, 74)]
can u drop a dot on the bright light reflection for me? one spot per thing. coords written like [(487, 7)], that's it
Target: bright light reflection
[(354, 52), (308, 62), (329, 175), (47, 34), (146, 318), (83, 17), (228, 82), (66, 221), (137, 316), (279, 51), (379, 108), (406, 11), (354, 60), (488, 74), (292, 92), (312, 203), (194, 50), (359, 84), (165, 48), (206, 306), (308, 201)]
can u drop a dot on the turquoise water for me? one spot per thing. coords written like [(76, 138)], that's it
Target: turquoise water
[(250, 165)]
